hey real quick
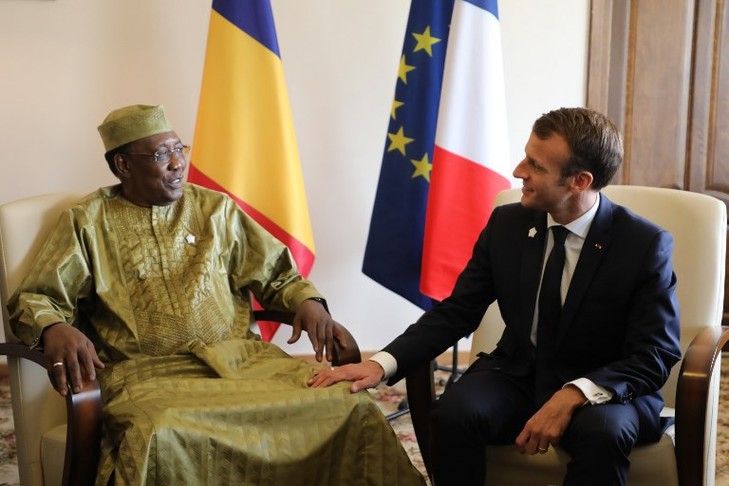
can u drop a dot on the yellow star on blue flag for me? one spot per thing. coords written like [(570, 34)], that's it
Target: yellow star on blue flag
[(394, 245)]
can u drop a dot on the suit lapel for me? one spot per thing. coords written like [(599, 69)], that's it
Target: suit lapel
[(596, 245), (531, 270)]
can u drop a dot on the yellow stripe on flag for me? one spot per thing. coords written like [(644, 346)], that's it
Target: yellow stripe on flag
[(244, 135)]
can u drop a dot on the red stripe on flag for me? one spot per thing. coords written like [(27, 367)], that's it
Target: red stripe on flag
[(302, 255), (460, 201)]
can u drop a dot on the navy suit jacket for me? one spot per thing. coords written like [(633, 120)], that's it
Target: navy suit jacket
[(619, 325)]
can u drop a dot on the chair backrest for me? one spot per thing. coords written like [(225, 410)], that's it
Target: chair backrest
[(698, 225), (24, 226)]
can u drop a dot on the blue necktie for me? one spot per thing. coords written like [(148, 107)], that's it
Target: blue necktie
[(550, 309), (550, 299)]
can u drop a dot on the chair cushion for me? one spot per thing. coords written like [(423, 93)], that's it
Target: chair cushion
[(650, 465), (53, 454)]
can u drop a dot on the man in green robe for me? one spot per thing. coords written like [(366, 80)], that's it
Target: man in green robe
[(146, 286)]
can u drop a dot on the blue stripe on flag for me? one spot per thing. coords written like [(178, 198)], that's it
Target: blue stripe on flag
[(254, 17), (488, 5), (394, 249)]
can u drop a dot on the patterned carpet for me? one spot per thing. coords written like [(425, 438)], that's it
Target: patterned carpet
[(8, 463), (388, 398)]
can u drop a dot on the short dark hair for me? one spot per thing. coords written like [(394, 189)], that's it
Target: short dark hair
[(594, 142), (109, 156)]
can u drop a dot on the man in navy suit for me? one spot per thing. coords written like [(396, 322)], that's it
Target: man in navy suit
[(585, 375)]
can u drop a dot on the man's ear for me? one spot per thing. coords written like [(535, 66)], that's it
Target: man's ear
[(121, 164), (581, 181)]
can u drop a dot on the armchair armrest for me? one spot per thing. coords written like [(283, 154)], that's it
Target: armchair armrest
[(340, 356), (83, 411), (83, 439), (692, 395)]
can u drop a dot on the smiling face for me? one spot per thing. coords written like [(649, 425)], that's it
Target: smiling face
[(146, 182), (544, 188), (541, 172)]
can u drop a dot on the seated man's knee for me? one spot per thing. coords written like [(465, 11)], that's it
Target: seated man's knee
[(487, 406), (452, 410), (458, 413), (601, 429)]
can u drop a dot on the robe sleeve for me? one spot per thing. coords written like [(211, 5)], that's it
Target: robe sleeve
[(58, 279), (262, 264)]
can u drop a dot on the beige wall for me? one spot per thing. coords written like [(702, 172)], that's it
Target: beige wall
[(65, 63)]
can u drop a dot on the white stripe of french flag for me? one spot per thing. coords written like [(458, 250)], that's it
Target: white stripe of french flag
[(471, 157)]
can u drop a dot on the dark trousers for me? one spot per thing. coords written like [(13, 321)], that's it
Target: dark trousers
[(486, 407)]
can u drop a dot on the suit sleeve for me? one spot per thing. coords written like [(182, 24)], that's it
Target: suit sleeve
[(454, 318), (651, 344)]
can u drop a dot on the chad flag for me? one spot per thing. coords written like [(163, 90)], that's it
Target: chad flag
[(244, 142)]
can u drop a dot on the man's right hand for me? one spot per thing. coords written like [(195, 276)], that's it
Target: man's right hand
[(367, 374), (63, 343)]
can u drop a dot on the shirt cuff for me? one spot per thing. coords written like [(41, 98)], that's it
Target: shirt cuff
[(595, 394), (388, 363)]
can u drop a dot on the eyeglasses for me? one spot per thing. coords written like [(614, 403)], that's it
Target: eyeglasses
[(166, 155)]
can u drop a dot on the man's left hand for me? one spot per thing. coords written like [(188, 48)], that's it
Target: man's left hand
[(547, 426), (313, 318)]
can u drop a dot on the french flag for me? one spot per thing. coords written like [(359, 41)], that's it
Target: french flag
[(471, 155)]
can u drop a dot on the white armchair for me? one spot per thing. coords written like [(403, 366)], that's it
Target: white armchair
[(685, 455), (49, 451)]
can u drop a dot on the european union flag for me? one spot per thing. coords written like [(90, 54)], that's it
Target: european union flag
[(395, 243)]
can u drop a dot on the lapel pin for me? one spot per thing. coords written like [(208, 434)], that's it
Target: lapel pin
[(598, 246), (190, 239), (532, 232)]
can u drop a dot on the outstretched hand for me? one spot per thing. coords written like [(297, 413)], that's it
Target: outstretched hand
[(367, 374), (322, 330), (73, 357)]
